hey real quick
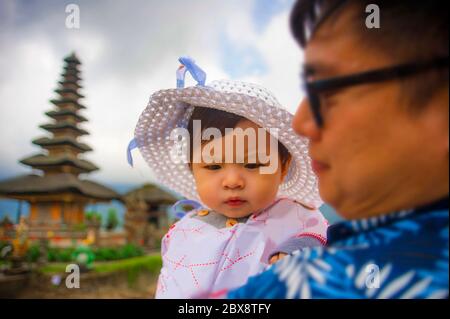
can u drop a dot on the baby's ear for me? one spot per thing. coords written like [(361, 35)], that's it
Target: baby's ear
[(285, 168)]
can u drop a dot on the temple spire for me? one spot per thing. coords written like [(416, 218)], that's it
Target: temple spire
[(58, 196), (62, 147)]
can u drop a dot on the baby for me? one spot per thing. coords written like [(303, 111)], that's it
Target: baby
[(229, 148)]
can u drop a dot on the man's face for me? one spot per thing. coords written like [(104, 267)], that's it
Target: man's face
[(372, 154)]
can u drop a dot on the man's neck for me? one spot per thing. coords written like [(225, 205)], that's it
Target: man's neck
[(395, 202)]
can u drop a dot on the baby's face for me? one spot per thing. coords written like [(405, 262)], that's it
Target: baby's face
[(237, 189)]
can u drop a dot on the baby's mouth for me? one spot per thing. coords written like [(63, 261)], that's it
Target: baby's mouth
[(235, 201)]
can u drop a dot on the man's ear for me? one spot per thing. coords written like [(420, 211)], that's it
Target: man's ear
[(285, 168)]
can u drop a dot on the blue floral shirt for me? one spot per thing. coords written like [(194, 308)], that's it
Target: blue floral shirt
[(400, 255)]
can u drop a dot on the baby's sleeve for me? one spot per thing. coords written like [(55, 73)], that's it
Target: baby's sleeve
[(313, 233)]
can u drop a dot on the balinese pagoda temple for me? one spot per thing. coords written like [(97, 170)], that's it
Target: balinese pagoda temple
[(58, 196)]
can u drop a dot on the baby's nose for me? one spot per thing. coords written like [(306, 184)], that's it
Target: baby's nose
[(233, 180)]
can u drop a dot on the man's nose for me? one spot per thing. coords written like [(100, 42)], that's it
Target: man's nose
[(303, 122), (233, 179)]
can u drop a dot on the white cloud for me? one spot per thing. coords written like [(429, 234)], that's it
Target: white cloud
[(128, 52), (282, 57), (24, 96)]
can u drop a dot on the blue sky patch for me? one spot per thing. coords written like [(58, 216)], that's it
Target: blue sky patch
[(264, 10), (240, 60)]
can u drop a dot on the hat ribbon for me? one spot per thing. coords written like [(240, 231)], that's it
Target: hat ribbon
[(176, 210), (187, 65)]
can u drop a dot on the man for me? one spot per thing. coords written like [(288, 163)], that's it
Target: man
[(376, 114)]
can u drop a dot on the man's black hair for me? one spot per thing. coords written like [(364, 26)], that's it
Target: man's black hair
[(410, 31)]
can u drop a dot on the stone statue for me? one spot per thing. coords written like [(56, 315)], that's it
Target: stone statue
[(21, 242)]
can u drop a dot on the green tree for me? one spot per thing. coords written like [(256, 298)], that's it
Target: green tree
[(112, 221), (93, 216)]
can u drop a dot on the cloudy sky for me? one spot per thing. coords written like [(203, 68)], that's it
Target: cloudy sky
[(128, 50)]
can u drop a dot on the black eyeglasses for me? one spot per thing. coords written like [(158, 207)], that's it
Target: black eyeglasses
[(314, 88)]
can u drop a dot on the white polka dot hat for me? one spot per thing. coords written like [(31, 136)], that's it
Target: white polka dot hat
[(170, 109)]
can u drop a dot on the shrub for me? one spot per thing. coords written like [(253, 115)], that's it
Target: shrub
[(55, 254), (93, 216), (112, 220), (33, 253), (115, 253), (60, 254), (105, 254), (130, 250)]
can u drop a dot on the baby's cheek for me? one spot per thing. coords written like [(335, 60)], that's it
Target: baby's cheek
[(206, 194), (266, 190), (202, 189)]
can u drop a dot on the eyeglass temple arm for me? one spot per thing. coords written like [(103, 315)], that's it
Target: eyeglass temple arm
[(376, 75)]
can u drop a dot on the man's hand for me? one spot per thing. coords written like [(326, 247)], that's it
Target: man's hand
[(276, 257)]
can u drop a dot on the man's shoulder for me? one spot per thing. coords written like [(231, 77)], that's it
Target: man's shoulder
[(406, 255), (346, 273)]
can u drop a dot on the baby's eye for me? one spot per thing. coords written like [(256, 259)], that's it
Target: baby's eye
[(253, 166), (212, 167)]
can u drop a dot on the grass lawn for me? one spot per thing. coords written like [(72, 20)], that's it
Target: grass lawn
[(150, 263)]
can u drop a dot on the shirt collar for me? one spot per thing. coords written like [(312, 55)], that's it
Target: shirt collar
[(345, 229)]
